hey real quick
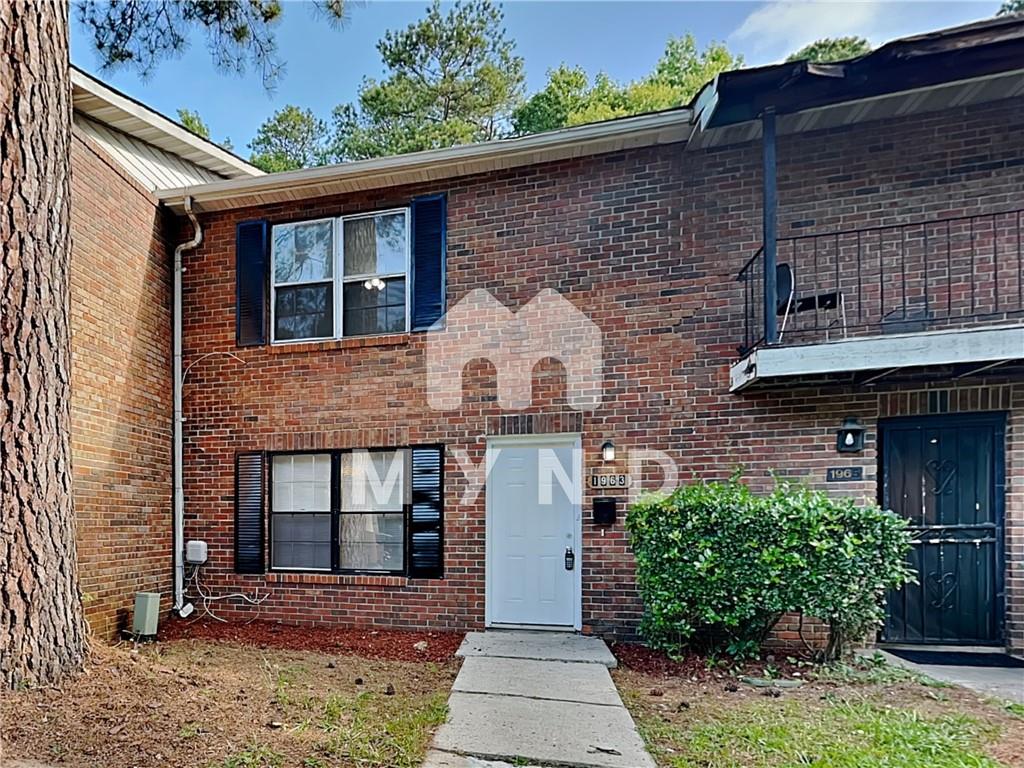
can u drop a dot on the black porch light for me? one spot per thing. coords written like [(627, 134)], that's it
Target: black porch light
[(850, 436)]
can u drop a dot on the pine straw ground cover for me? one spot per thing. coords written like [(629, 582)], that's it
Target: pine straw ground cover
[(696, 714), (218, 703)]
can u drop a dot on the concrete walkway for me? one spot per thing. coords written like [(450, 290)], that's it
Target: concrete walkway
[(997, 682), (536, 698)]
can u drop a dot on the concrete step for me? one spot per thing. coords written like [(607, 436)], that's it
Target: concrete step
[(540, 646)]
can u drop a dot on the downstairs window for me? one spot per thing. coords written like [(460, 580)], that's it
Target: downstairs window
[(341, 511)]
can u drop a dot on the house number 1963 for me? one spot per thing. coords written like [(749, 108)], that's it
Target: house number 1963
[(609, 481)]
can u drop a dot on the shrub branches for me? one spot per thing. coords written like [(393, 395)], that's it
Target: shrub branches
[(716, 562)]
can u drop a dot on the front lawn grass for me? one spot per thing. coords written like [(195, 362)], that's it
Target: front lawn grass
[(202, 704), (839, 718)]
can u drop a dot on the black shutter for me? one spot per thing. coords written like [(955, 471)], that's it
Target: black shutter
[(426, 527), (251, 258), (429, 231), (249, 476)]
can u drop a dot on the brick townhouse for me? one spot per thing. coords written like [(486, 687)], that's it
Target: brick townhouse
[(121, 151), (813, 271)]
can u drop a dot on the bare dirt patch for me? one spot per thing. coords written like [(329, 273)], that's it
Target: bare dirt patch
[(199, 702)]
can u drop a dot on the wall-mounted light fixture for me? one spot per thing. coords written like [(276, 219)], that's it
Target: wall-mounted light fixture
[(850, 436), (608, 451)]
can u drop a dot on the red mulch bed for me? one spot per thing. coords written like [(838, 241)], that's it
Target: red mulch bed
[(643, 659), (692, 665), (385, 644)]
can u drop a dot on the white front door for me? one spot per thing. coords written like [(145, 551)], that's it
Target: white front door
[(533, 521)]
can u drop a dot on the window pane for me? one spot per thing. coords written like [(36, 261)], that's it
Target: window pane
[(304, 312), (301, 541), (302, 483), (375, 245), (303, 253), (372, 542), (371, 310), (373, 481)]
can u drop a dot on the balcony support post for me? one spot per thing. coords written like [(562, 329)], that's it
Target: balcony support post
[(770, 222)]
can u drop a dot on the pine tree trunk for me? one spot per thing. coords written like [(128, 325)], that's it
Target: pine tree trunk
[(42, 629)]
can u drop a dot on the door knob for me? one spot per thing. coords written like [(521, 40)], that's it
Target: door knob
[(570, 559)]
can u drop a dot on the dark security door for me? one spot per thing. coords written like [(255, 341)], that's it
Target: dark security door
[(945, 475)]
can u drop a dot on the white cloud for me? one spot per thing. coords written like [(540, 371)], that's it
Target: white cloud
[(779, 27)]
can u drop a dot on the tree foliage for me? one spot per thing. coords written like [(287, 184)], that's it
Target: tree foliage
[(193, 122), (451, 78), (291, 138), (830, 49), (570, 98), (1010, 7), (142, 33), (720, 564)]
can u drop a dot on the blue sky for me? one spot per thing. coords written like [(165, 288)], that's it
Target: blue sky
[(624, 39)]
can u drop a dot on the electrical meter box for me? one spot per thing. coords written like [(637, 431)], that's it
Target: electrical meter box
[(195, 552)]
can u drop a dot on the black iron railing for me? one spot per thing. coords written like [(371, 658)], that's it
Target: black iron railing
[(903, 278)]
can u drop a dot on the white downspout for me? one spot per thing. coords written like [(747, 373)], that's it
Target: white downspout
[(180, 607)]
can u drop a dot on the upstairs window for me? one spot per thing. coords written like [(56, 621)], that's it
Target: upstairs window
[(340, 277), (304, 280)]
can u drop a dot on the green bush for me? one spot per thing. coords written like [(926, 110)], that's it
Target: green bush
[(719, 563)]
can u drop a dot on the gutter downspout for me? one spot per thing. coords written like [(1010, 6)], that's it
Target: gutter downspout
[(180, 607)]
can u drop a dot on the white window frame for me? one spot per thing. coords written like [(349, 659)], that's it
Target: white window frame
[(338, 276), (272, 513), (341, 509)]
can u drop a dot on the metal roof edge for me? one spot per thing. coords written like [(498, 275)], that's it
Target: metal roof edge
[(130, 107), (449, 162)]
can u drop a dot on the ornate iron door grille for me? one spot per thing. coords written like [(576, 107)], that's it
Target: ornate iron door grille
[(945, 474)]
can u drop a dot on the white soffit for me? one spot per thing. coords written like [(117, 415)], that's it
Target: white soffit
[(105, 105), (151, 166)]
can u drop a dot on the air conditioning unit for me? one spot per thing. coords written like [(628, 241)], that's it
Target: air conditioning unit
[(147, 614)]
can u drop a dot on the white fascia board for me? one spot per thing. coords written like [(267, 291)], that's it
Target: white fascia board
[(650, 129), (905, 350)]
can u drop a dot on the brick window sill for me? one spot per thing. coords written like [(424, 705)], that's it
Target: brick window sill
[(337, 579), (356, 342)]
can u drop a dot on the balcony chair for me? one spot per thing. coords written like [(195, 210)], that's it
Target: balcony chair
[(787, 302)]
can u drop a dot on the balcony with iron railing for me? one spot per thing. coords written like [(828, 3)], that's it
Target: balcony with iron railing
[(938, 291)]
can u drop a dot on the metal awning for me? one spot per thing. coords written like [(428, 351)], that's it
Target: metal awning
[(964, 65)]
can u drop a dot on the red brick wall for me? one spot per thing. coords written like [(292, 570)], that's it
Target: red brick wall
[(647, 243), (121, 388)]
